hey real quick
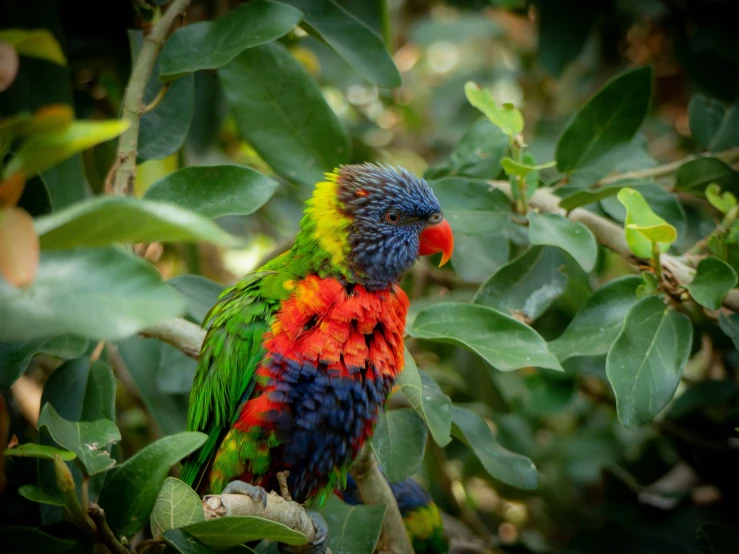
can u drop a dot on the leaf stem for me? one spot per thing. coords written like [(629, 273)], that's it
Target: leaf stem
[(103, 533), (85, 491), (656, 262), (123, 173)]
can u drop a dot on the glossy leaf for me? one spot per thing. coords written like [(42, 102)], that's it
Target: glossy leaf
[(185, 543), (527, 285), (351, 39), (199, 292), (163, 130), (472, 207), (34, 43), (662, 202), (40, 496), (281, 111), (608, 120), (33, 450), (44, 151), (713, 279), (727, 135), (427, 399), (15, 357), (589, 196), (475, 257), (574, 238), (722, 202), (505, 117), (599, 321), (214, 191), (504, 465), (662, 232), (107, 220), (730, 326), (399, 442), (704, 117), (212, 44), (694, 176), (647, 359), (102, 293), (228, 531), (86, 439), (131, 489), (353, 529), (477, 154), (640, 217), (512, 167), (177, 505), (503, 342)]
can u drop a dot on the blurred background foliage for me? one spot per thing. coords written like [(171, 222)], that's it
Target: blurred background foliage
[(602, 487)]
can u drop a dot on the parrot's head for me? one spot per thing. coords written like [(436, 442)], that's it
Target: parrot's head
[(375, 220)]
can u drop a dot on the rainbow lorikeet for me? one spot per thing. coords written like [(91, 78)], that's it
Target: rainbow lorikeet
[(420, 514), (299, 357)]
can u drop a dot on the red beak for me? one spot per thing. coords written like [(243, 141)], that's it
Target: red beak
[(437, 238)]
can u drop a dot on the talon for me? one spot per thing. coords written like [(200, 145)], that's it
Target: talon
[(320, 543), (257, 494)]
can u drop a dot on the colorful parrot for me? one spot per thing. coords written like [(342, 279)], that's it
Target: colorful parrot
[(299, 357), (421, 516)]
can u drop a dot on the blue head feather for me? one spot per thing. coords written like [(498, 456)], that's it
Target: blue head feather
[(383, 248)]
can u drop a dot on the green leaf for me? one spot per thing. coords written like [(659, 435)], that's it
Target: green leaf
[(694, 176), (589, 196), (505, 117), (229, 531), (475, 257), (599, 321), (102, 293), (40, 496), (713, 279), (66, 182), (32, 450), (354, 529), (34, 43), (526, 285), (184, 543), (177, 505), (640, 218), (399, 442), (427, 399), (15, 357), (609, 120), (722, 202), (44, 151), (212, 44), (131, 489), (503, 342), (351, 39), (281, 111), (564, 27), (704, 117), (472, 207), (199, 292), (730, 326), (106, 220), (86, 439), (665, 204), (574, 238), (504, 465), (727, 135), (650, 285), (214, 191), (143, 359), (163, 130), (662, 232), (476, 155), (646, 361), (512, 167), (15, 538)]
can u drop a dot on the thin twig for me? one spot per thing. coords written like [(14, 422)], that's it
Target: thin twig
[(159, 97), (282, 481), (104, 534), (125, 166)]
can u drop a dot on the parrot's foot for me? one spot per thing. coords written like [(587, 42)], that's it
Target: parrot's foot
[(319, 544), (257, 494)]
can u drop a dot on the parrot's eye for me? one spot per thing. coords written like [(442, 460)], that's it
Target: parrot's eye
[(392, 217), (435, 218)]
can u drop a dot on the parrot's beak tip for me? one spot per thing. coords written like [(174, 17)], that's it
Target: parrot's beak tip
[(437, 238)]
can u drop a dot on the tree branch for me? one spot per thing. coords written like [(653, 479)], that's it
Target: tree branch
[(121, 177), (612, 236), (372, 485)]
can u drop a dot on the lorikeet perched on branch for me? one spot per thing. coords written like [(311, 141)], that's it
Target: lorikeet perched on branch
[(299, 357), (421, 516)]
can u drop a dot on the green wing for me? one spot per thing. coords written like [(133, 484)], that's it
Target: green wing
[(230, 355)]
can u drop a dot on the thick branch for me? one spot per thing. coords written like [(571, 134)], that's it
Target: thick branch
[(611, 235), (374, 489), (123, 172)]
